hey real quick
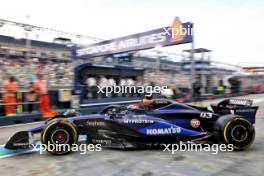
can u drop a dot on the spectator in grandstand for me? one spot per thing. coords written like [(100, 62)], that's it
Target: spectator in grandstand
[(9, 96), (42, 91), (59, 74), (31, 97)]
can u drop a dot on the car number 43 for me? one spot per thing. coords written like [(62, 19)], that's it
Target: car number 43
[(206, 115)]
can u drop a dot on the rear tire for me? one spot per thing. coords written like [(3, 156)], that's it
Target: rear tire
[(59, 137), (235, 130)]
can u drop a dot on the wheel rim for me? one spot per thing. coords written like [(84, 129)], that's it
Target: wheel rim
[(239, 133), (60, 136)]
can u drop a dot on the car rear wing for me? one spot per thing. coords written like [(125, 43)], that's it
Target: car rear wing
[(241, 107), (235, 102)]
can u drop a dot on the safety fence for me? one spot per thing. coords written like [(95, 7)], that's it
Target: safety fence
[(23, 106)]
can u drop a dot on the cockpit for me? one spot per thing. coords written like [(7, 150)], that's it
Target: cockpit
[(119, 112)]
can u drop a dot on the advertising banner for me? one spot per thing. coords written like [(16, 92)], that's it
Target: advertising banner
[(177, 33)]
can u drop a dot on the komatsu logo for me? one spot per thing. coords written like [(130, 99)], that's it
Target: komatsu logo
[(171, 130)]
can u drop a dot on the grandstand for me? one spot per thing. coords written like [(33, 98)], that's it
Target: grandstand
[(36, 49), (26, 56), (26, 50), (51, 59)]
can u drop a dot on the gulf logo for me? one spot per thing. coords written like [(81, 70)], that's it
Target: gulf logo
[(195, 123)]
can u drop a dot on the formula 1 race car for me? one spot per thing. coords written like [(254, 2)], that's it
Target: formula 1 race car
[(230, 121)]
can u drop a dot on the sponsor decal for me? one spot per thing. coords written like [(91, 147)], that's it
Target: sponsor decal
[(133, 106), (20, 144), (171, 130), (95, 123), (177, 33), (195, 123), (135, 121), (101, 141), (240, 102), (245, 110), (206, 115), (154, 38), (162, 101)]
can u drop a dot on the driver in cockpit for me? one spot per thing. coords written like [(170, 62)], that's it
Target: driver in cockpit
[(148, 102)]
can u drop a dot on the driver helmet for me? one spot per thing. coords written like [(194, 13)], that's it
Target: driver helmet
[(71, 113), (148, 100)]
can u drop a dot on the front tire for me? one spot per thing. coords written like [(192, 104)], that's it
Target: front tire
[(235, 130), (59, 137)]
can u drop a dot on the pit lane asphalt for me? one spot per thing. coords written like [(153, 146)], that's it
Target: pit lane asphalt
[(141, 162)]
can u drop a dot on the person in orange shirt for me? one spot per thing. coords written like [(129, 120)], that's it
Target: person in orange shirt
[(10, 88), (42, 91)]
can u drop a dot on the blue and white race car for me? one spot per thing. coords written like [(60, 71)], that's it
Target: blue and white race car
[(231, 121)]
